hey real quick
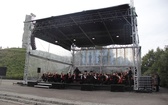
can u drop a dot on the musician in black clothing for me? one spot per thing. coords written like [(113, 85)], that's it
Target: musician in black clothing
[(90, 78), (84, 79), (44, 77), (156, 82), (77, 72), (130, 76), (70, 80)]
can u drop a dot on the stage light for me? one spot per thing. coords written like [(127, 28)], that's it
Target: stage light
[(117, 36), (56, 41), (93, 38), (74, 40)]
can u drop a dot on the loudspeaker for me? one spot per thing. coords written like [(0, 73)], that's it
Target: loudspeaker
[(3, 71), (87, 87), (31, 83), (33, 44), (117, 88), (38, 70)]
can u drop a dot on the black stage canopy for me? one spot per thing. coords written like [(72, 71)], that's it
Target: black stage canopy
[(100, 27)]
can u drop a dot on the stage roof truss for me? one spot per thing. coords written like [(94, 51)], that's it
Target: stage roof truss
[(82, 30), (106, 28), (101, 27)]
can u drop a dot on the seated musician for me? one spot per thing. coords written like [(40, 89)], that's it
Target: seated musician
[(106, 81), (93, 77), (120, 78), (56, 77), (50, 77), (126, 78), (90, 78), (114, 78), (102, 79), (62, 78), (44, 77), (99, 78), (84, 77), (75, 78), (69, 78), (96, 78), (59, 78)]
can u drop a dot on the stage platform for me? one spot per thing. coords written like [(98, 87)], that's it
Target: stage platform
[(78, 86)]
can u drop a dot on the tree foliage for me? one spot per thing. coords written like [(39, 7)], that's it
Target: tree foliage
[(156, 62)]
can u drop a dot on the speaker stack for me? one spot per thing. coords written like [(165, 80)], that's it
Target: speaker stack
[(38, 70)]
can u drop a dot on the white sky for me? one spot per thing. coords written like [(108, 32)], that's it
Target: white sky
[(152, 19)]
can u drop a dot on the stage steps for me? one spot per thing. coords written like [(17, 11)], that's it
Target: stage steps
[(43, 85)]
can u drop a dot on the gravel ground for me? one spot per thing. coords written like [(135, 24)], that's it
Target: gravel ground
[(78, 97)]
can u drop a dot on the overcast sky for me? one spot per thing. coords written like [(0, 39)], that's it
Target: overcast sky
[(152, 18)]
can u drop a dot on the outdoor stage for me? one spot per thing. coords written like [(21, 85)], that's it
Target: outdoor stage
[(102, 40)]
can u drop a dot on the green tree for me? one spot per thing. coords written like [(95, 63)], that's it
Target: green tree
[(147, 61), (156, 62), (157, 56), (163, 68)]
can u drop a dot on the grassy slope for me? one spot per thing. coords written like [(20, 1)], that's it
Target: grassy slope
[(14, 60)]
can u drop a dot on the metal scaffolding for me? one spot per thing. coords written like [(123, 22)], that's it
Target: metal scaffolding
[(104, 50)]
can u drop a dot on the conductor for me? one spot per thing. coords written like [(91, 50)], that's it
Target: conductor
[(76, 71)]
